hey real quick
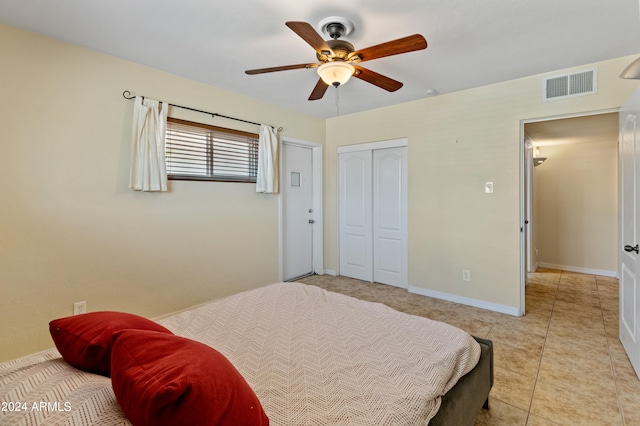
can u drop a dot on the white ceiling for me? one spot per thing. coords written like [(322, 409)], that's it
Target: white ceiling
[(471, 43)]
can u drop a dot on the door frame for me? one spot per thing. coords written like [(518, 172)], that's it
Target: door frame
[(526, 197), (529, 153), (317, 206), (370, 146)]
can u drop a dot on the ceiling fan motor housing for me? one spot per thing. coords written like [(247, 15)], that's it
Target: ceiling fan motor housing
[(341, 50)]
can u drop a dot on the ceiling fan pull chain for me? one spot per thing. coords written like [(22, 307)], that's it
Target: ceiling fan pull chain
[(338, 101)]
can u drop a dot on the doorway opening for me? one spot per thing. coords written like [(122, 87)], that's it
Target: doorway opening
[(569, 188)]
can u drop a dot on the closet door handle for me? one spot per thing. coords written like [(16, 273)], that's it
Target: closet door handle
[(635, 248), (312, 221)]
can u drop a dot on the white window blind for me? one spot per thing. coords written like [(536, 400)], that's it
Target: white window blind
[(198, 151)]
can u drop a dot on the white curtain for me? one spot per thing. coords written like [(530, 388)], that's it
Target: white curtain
[(268, 172), (148, 165)]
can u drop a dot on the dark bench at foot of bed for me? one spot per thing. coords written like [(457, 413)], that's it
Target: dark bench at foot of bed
[(462, 404)]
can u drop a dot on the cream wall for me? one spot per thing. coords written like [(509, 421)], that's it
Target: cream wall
[(71, 230), (577, 205), (456, 143)]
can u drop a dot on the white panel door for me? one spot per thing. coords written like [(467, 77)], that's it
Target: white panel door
[(390, 216), (629, 269), (355, 215), (297, 233)]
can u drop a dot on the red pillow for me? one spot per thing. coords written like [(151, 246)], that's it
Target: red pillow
[(84, 341), (161, 379)]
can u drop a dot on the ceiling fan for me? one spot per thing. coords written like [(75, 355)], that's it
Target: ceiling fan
[(338, 59)]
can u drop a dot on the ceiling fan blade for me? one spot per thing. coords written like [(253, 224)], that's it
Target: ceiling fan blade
[(394, 47), (282, 68), (308, 34), (319, 90), (376, 79)]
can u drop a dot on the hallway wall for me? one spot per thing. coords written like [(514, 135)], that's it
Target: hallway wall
[(576, 207)]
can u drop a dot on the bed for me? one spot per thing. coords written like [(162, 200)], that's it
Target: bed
[(311, 356)]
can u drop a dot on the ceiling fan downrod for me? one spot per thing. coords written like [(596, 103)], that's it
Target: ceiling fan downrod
[(335, 30)]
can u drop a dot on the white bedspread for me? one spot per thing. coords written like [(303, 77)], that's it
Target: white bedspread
[(313, 358)]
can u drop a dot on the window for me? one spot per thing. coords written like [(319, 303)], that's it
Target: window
[(202, 152)]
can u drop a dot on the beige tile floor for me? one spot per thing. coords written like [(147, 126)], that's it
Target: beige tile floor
[(562, 363)]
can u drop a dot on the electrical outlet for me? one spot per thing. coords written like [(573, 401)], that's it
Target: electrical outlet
[(80, 308), (466, 275)]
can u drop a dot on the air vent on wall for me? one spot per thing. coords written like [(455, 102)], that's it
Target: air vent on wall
[(570, 85)]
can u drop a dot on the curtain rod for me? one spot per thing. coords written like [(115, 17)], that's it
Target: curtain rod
[(128, 95)]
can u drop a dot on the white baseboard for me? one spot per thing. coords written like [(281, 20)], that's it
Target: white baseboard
[(503, 309), (601, 272), (331, 272)]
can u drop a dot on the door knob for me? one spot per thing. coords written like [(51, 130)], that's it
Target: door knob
[(635, 248)]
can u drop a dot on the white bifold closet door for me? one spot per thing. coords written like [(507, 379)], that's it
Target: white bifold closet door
[(373, 215)]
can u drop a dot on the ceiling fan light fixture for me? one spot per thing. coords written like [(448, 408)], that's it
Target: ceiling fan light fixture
[(336, 73)]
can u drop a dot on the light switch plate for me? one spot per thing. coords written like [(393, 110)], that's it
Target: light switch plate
[(488, 187)]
